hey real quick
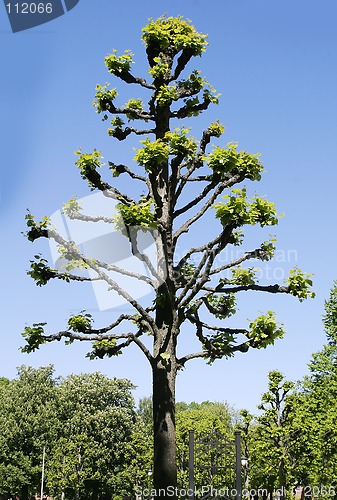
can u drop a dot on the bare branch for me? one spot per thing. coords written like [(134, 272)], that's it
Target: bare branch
[(144, 349), (191, 283), (194, 285), (181, 361), (111, 267), (202, 178), (211, 351), (241, 288), (254, 254), (127, 77), (107, 105), (72, 277), (113, 325), (219, 189), (125, 272), (132, 235), (91, 337), (182, 61), (85, 336), (121, 169), (96, 267), (121, 134), (112, 351), (74, 214), (108, 191), (204, 141), (95, 180), (206, 246), (185, 111), (196, 200)]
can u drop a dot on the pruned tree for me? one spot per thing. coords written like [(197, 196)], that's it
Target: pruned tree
[(315, 410), (273, 436), (180, 181)]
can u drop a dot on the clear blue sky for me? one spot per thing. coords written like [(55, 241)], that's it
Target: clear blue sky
[(275, 64)]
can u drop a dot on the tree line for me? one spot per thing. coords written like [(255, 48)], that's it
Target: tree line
[(94, 440), (293, 442)]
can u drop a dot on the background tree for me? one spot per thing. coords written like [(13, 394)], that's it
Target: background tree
[(96, 444), (210, 421), (270, 439), (98, 423), (28, 422), (178, 183), (206, 419), (145, 411), (315, 410)]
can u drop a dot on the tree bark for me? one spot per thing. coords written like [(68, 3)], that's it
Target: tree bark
[(165, 469)]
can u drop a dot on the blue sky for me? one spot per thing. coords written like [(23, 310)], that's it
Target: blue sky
[(275, 64)]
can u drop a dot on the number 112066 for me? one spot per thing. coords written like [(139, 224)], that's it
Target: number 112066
[(29, 8)]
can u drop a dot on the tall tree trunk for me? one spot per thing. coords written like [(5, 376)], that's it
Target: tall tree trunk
[(165, 468)]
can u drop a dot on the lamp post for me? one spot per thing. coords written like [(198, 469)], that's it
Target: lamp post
[(244, 465), (149, 481)]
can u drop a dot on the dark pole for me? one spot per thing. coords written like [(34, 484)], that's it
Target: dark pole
[(191, 463), (238, 483)]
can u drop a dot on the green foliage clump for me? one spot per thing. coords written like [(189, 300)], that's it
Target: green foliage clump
[(160, 69), (36, 228), (71, 254), (223, 161), (72, 206), (212, 423), (80, 322), (193, 83), (33, 336), (103, 95), (243, 276), (119, 64), (216, 129), (330, 316), (134, 104), (209, 95), (188, 269), (299, 284), (167, 94), (117, 129), (87, 163), (104, 347), (223, 305), (136, 215), (180, 144), (88, 425), (156, 153), (265, 329), (239, 211), (153, 154), (267, 249), (40, 272), (174, 34)]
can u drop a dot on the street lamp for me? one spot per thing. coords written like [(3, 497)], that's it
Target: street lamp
[(244, 464), (149, 481)]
